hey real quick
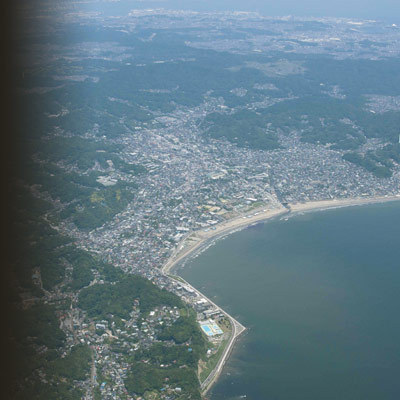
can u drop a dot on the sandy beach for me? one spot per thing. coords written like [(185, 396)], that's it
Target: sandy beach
[(197, 241), (325, 204)]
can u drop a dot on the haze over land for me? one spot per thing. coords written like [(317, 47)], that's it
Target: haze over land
[(139, 128), (368, 9)]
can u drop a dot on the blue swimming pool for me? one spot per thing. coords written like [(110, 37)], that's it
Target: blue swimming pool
[(207, 330)]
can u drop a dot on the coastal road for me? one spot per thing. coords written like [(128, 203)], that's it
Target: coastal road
[(201, 237), (237, 330), (199, 240)]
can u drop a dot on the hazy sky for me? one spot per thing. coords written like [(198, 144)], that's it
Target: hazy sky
[(379, 9)]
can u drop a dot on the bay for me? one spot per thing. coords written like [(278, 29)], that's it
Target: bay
[(319, 294)]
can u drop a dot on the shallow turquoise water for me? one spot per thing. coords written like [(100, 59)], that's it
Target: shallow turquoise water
[(320, 294)]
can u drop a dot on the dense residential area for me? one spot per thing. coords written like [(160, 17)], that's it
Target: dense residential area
[(137, 132)]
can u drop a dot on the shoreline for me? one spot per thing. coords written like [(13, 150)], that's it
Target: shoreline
[(321, 205), (201, 238), (194, 243)]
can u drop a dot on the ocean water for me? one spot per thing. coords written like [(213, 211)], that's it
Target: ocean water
[(320, 294)]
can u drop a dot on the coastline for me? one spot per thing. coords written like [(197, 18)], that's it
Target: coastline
[(338, 203), (197, 241), (201, 238)]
